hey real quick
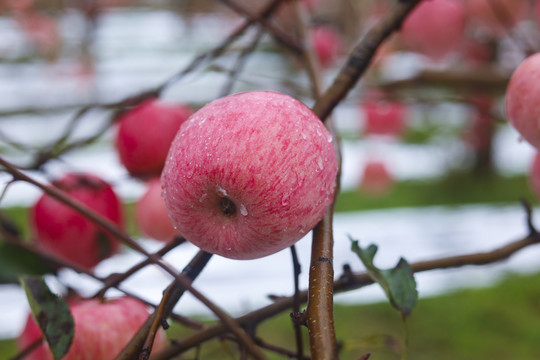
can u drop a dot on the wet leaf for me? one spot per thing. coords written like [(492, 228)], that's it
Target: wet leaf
[(398, 283), (51, 313)]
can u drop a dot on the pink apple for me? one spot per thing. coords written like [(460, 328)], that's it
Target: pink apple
[(534, 175), (145, 134), (151, 214), (102, 330), (497, 16), (62, 231), (384, 117), (327, 45), (522, 94), (435, 28), (249, 174), (376, 180)]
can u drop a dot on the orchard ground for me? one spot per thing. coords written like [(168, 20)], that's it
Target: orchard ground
[(417, 222)]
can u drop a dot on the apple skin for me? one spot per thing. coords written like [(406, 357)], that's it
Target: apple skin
[(484, 13), (384, 118), (62, 231), (102, 330), (435, 28), (145, 134), (327, 45), (151, 214), (249, 174), (534, 175), (521, 103)]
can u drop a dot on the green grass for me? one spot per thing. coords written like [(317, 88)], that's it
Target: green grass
[(495, 323), (454, 189)]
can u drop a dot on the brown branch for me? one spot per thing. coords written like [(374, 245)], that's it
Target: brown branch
[(279, 35), (319, 315), (347, 283), (360, 58), (116, 231)]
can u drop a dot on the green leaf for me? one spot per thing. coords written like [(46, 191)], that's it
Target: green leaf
[(398, 283), (16, 261), (51, 313)]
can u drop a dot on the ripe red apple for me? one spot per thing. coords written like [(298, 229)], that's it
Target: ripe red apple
[(102, 330), (435, 28), (249, 174), (145, 134), (376, 180), (522, 96), (151, 214), (384, 117), (62, 231), (497, 16), (327, 45), (534, 175)]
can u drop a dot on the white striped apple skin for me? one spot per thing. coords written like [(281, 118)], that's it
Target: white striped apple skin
[(249, 174)]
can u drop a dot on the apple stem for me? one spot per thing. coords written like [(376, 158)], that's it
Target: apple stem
[(227, 206)]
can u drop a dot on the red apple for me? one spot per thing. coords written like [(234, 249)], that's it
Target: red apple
[(376, 180), (384, 117), (249, 174), (102, 330), (522, 94), (327, 45), (62, 231), (534, 175), (435, 28), (151, 214), (145, 134), (497, 16)]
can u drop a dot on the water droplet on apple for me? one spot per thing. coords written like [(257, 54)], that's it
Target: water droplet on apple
[(329, 137), (221, 191), (203, 197), (189, 172), (319, 133), (303, 229), (304, 136), (320, 162), (285, 200), (243, 210)]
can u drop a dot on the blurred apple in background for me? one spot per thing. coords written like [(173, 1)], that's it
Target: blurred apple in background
[(63, 231), (534, 175), (151, 214), (102, 330), (522, 94), (497, 16), (375, 180), (327, 45), (383, 117), (435, 28), (145, 134)]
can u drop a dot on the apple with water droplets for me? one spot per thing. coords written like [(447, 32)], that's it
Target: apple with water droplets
[(249, 174), (521, 103), (102, 330), (151, 214), (62, 231), (145, 134)]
